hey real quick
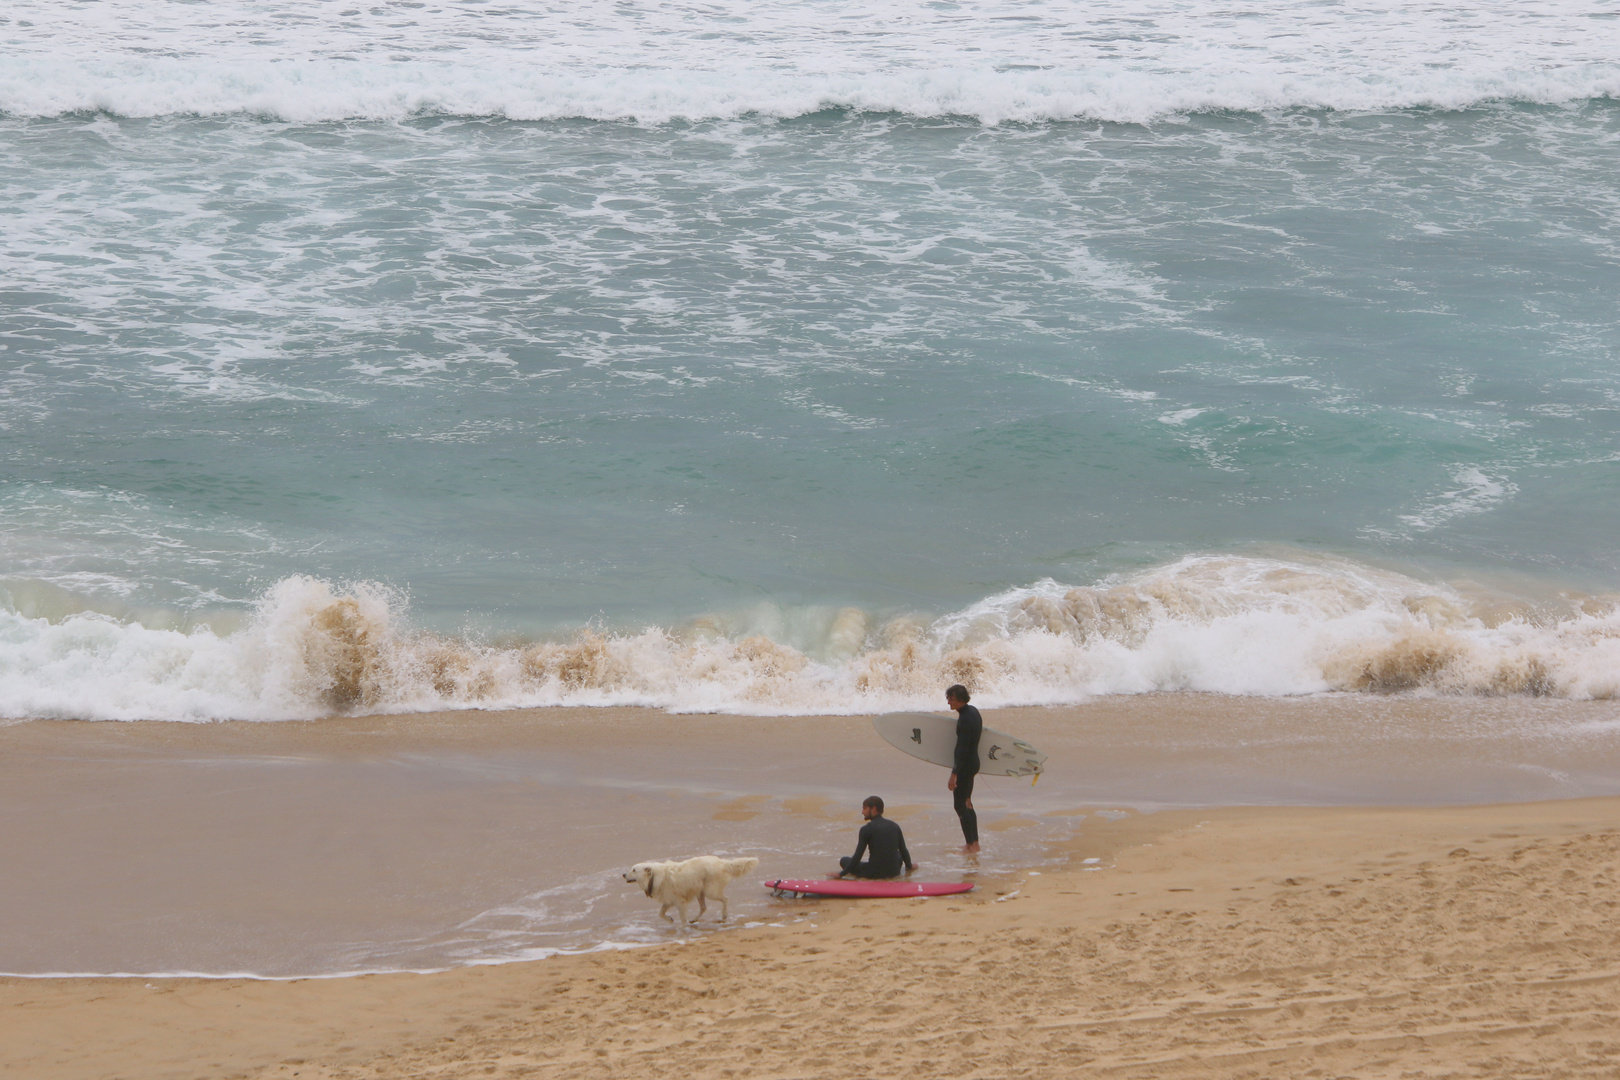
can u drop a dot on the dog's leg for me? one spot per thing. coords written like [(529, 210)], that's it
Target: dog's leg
[(663, 913), (724, 910), (703, 906)]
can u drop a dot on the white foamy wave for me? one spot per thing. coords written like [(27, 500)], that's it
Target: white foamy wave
[(315, 91), (324, 91), (995, 60), (1220, 624)]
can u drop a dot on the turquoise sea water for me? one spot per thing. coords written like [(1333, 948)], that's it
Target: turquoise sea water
[(1258, 400)]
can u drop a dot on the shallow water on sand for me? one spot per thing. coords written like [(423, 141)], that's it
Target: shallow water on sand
[(363, 848), (432, 841)]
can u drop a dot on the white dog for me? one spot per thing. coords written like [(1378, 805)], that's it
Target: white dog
[(676, 884)]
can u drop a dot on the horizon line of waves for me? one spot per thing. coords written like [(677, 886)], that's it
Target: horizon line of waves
[(328, 91), (1222, 624)]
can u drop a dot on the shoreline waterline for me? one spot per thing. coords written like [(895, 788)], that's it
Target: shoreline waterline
[(443, 840), (1213, 942)]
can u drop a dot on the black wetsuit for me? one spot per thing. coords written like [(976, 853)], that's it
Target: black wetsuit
[(965, 764), (884, 840)]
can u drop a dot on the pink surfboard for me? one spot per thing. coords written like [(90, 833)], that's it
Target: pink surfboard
[(858, 889)]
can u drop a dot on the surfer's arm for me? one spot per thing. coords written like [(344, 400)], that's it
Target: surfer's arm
[(862, 843), (905, 856)]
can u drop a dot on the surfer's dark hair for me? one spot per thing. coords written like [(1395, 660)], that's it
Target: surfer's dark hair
[(874, 802), (958, 693)]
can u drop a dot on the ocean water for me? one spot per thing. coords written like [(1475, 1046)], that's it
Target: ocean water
[(803, 358)]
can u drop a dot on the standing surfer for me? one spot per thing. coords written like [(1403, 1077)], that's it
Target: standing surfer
[(965, 763)]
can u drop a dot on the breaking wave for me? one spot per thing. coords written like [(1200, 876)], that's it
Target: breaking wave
[(1222, 624), (317, 92), (996, 60)]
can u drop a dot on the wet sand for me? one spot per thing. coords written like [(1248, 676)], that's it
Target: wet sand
[(1224, 940), (421, 842), (1458, 942), (425, 841)]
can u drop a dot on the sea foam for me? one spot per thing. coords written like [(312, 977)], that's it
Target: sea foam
[(1222, 624), (319, 91), (992, 61)]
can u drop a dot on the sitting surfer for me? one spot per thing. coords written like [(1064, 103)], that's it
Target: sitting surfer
[(965, 764), (883, 839)]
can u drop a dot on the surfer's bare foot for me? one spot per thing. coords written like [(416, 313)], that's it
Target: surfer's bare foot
[(970, 849)]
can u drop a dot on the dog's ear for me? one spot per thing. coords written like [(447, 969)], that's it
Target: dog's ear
[(652, 880)]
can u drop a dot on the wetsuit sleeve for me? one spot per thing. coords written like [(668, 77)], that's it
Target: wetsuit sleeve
[(969, 727), (863, 842), (900, 838)]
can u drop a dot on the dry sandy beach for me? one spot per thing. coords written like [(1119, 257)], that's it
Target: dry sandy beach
[(1239, 941)]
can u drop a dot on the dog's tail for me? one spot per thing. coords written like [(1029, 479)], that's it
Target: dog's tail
[(736, 868)]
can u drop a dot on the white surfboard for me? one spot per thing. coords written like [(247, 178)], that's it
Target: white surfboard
[(933, 738)]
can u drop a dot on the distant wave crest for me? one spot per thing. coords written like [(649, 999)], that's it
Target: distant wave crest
[(1222, 624), (324, 90), (993, 60)]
